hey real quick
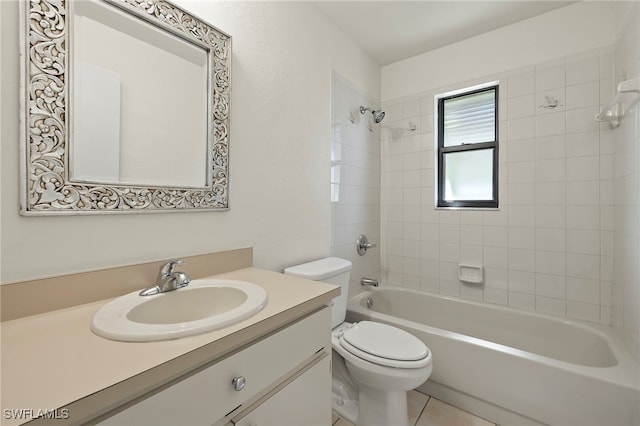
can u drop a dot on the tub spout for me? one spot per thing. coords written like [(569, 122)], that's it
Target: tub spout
[(369, 281)]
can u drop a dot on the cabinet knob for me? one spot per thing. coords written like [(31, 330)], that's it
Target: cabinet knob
[(238, 383)]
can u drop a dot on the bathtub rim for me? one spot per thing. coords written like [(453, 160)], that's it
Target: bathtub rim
[(625, 373)]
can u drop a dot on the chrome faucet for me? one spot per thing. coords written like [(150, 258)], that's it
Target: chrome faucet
[(167, 279), (369, 281)]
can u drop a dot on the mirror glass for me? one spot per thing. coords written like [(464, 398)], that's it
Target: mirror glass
[(120, 111), (126, 108)]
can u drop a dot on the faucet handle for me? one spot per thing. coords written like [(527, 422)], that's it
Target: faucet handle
[(363, 244), (169, 266)]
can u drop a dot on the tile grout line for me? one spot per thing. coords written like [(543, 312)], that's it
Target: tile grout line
[(423, 410)]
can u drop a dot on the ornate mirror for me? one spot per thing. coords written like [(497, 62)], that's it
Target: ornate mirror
[(125, 108)]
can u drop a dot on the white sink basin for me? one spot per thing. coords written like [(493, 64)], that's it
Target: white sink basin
[(203, 305)]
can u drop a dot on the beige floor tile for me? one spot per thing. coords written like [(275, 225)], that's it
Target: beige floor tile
[(342, 422), (334, 418), (438, 413), (415, 403)]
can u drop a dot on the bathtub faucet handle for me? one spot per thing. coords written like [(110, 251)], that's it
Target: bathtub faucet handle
[(363, 244), (369, 281)]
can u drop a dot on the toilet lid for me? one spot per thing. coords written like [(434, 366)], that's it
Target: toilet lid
[(384, 341)]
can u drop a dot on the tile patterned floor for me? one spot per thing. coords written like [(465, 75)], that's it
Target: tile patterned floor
[(428, 411)]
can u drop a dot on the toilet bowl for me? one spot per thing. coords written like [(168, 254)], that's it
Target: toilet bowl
[(374, 364)]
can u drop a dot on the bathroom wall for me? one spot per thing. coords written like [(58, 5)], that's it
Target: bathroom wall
[(355, 179), (626, 174), (549, 247), (283, 54), (564, 31)]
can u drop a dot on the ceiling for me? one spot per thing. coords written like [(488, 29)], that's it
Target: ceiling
[(393, 30)]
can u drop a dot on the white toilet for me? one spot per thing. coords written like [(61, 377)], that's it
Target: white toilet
[(374, 364)]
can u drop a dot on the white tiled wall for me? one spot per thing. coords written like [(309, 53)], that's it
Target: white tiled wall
[(626, 198), (355, 180), (549, 246)]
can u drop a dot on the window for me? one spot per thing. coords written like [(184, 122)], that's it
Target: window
[(467, 148)]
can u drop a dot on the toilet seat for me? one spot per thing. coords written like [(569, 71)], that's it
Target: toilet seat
[(384, 345)]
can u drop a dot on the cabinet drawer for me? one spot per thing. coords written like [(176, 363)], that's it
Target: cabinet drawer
[(209, 395), (306, 401)]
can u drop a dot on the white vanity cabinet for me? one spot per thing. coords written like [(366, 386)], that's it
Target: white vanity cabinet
[(278, 379)]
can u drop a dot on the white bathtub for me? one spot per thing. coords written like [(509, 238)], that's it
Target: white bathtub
[(513, 367)]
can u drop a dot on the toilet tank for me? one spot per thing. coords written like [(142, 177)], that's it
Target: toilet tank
[(331, 270)]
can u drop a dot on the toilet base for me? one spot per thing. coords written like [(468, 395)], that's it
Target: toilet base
[(382, 408), (344, 398), (348, 410), (374, 408)]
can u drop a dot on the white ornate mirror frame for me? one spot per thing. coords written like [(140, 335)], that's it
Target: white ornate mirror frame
[(46, 187)]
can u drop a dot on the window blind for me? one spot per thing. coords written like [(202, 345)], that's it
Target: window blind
[(470, 118)]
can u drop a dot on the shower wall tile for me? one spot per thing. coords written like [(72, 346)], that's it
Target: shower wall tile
[(525, 302), (550, 76), (520, 107), (583, 95), (551, 306), (549, 239), (581, 120), (550, 193), (551, 124), (495, 236), (497, 278), (550, 101), (550, 247), (583, 311), (550, 170), (583, 144), (521, 128), (521, 84), (496, 296), (355, 181), (550, 263), (622, 219), (583, 193), (551, 286), (583, 168), (582, 70), (551, 147), (496, 257)]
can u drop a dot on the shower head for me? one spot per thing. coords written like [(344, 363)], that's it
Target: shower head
[(377, 115)]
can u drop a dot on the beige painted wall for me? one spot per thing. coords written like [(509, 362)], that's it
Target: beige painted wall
[(283, 54)]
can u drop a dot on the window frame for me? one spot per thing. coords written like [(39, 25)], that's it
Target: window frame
[(441, 150)]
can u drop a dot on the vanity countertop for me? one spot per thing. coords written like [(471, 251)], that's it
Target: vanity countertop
[(53, 360)]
